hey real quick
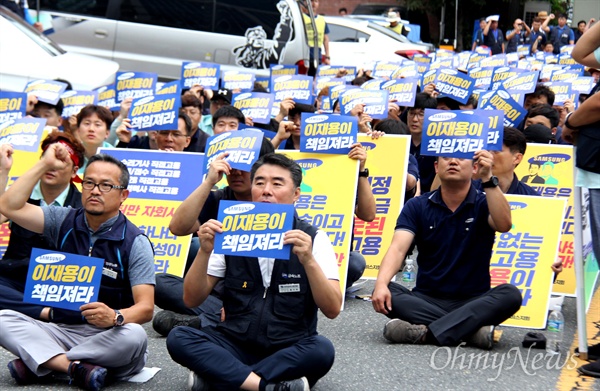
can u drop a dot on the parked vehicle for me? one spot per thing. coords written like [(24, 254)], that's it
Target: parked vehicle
[(357, 42), (27, 55), (157, 35)]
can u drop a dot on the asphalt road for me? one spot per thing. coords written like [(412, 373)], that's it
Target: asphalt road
[(366, 361)]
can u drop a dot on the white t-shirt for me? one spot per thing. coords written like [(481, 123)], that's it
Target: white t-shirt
[(322, 251)]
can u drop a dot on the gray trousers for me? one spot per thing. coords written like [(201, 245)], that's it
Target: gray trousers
[(122, 350)]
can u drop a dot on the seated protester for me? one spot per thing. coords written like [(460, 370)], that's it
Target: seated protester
[(542, 114), (101, 334), (52, 113), (226, 119), (218, 99), (454, 229), (288, 133), (416, 115), (54, 188), (566, 108), (541, 95), (199, 207), (279, 347), (192, 107), (93, 127), (170, 140), (471, 103)]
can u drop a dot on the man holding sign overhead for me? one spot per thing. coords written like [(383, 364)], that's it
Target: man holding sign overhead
[(454, 229), (104, 333), (268, 339)]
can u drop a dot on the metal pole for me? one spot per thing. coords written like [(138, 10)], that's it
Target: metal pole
[(456, 24), (579, 275)]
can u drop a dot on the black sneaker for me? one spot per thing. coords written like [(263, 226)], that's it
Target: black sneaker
[(196, 383), (290, 385), (165, 321), (88, 376), (592, 369), (483, 338), (21, 373)]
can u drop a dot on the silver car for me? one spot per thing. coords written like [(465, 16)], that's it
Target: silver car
[(157, 35)]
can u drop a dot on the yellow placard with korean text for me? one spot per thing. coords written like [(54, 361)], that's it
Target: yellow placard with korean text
[(153, 218), (327, 199), (520, 256), (22, 162), (387, 161), (549, 168)]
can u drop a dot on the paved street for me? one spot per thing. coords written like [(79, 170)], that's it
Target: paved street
[(365, 361)]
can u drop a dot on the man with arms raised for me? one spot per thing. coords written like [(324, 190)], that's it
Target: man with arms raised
[(268, 339), (453, 228), (110, 332)]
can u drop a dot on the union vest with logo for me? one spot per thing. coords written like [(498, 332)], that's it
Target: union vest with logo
[(113, 246), (274, 317)]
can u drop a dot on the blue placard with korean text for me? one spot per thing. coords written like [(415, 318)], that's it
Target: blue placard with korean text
[(565, 75), (282, 70), (135, 85), (62, 280), (13, 105), (326, 81), (524, 82), (583, 84), (453, 133), (158, 112), (107, 97), (500, 99), (402, 91), (255, 105), (254, 229), (332, 71), (25, 134), (325, 133), (297, 87), (74, 101), (495, 128), (236, 80), (501, 74), (243, 147), (205, 74), (454, 84), (482, 76), (48, 91), (160, 175), (376, 102), (173, 87)]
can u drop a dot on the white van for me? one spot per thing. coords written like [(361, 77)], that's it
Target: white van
[(158, 35)]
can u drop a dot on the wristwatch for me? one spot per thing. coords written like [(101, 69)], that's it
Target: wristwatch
[(119, 318), (493, 182), (567, 122), (364, 173)]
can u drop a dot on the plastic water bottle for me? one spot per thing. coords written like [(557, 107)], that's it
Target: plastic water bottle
[(554, 335), (409, 274)]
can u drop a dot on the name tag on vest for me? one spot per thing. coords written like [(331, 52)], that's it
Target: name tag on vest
[(109, 273), (289, 288)]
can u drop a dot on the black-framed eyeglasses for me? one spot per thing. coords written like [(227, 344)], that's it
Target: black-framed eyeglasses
[(103, 187)]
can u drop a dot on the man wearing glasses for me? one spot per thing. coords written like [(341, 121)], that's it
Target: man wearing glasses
[(106, 333), (414, 120)]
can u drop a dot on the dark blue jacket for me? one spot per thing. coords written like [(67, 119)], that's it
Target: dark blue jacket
[(113, 246), (265, 318)]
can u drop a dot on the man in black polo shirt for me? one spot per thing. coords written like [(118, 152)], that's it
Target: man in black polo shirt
[(454, 229)]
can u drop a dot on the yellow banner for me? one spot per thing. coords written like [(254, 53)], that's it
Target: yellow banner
[(549, 170), (521, 256), (387, 161), (327, 199), (153, 218)]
